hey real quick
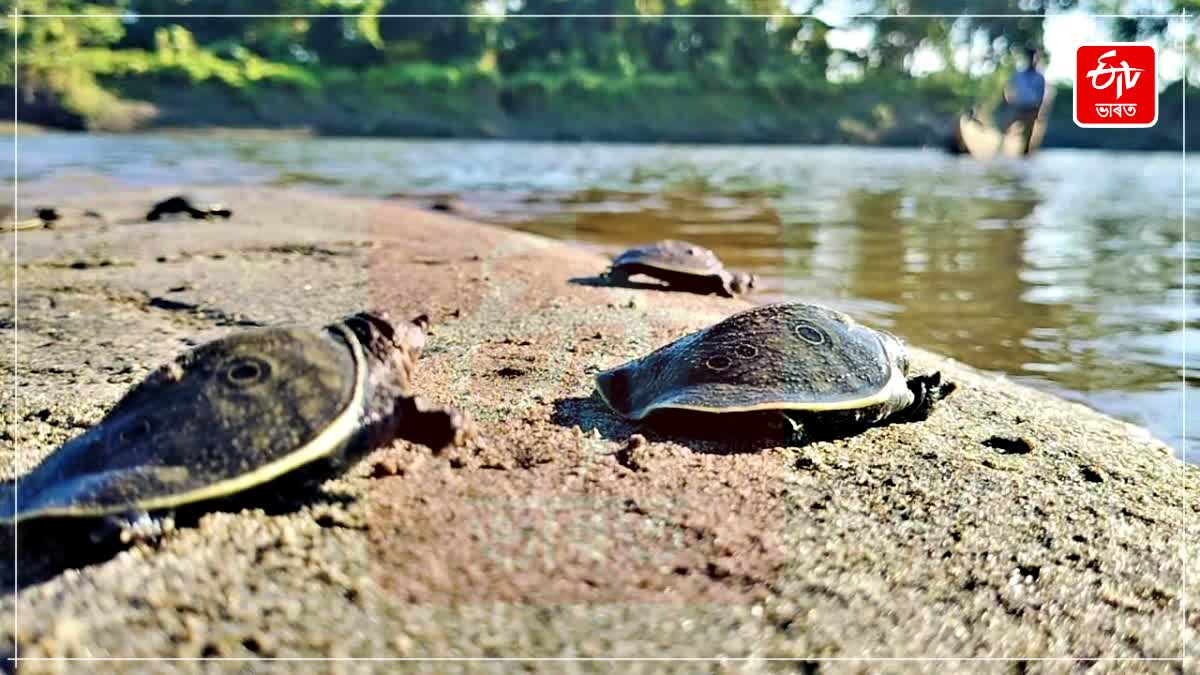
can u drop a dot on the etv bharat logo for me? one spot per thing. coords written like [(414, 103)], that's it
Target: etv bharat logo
[(1116, 85)]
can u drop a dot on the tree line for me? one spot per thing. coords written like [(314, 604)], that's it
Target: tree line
[(767, 45)]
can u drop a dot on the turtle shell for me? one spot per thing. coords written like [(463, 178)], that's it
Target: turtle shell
[(222, 418), (673, 256), (188, 204), (775, 357)]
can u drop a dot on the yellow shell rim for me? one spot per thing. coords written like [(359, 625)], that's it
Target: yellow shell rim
[(877, 398)]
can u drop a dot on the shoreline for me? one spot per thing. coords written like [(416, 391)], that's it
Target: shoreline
[(461, 205), (1132, 404), (237, 132), (935, 538), (864, 115)]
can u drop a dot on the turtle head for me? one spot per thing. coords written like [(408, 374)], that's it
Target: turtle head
[(392, 349), (392, 408), (896, 351), (742, 282), (925, 390)]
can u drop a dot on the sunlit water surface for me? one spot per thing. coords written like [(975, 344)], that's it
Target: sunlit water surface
[(1066, 272)]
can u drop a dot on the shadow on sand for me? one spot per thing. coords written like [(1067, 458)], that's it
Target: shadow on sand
[(599, 281), (43, 548), (699, 432), (712, 433)]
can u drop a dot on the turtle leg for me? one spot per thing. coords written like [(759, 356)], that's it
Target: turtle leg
[(793, 429), (136, 526), (615, 277), (437, 427), (723, 287), (926, 390)]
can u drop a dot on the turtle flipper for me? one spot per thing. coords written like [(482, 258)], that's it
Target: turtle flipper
[(793, 429), (137, 526), (437, 427), (615, 276), (926, 390)]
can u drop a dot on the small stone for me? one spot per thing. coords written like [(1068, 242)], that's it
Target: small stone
[(1007, 445), (402, 644), (388, 466), (806, 463), (630, 455)]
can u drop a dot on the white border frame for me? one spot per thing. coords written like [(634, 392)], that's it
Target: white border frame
[(1183, 657)]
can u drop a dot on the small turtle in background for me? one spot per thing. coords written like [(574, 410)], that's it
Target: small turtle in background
[(683, 266), (801, 369), (219, 210), (48, 214), (181, 204), (238, 412), (44, 218)]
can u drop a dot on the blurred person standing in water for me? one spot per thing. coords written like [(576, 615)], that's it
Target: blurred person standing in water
[(1025, 95)]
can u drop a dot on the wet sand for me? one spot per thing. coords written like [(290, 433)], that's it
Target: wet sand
[(1010, 523)]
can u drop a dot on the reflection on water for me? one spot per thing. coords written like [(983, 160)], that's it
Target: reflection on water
[(1065, 272)]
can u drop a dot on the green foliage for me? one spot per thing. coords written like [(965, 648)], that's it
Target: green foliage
[(408, 77), (660, 47), (176, 57)]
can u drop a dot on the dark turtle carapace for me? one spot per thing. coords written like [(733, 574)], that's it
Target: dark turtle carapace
[(814, 369), (681, 266), (238, 412), (181, 204)]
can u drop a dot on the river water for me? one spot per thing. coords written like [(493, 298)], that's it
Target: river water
[(1065, 272)]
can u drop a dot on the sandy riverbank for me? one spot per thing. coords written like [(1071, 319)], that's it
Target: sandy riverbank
[(911, 540)]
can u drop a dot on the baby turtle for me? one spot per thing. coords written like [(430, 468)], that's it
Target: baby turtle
[(682, 265), (812, 368), (44, 218), (238, 412), (181, 204)]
